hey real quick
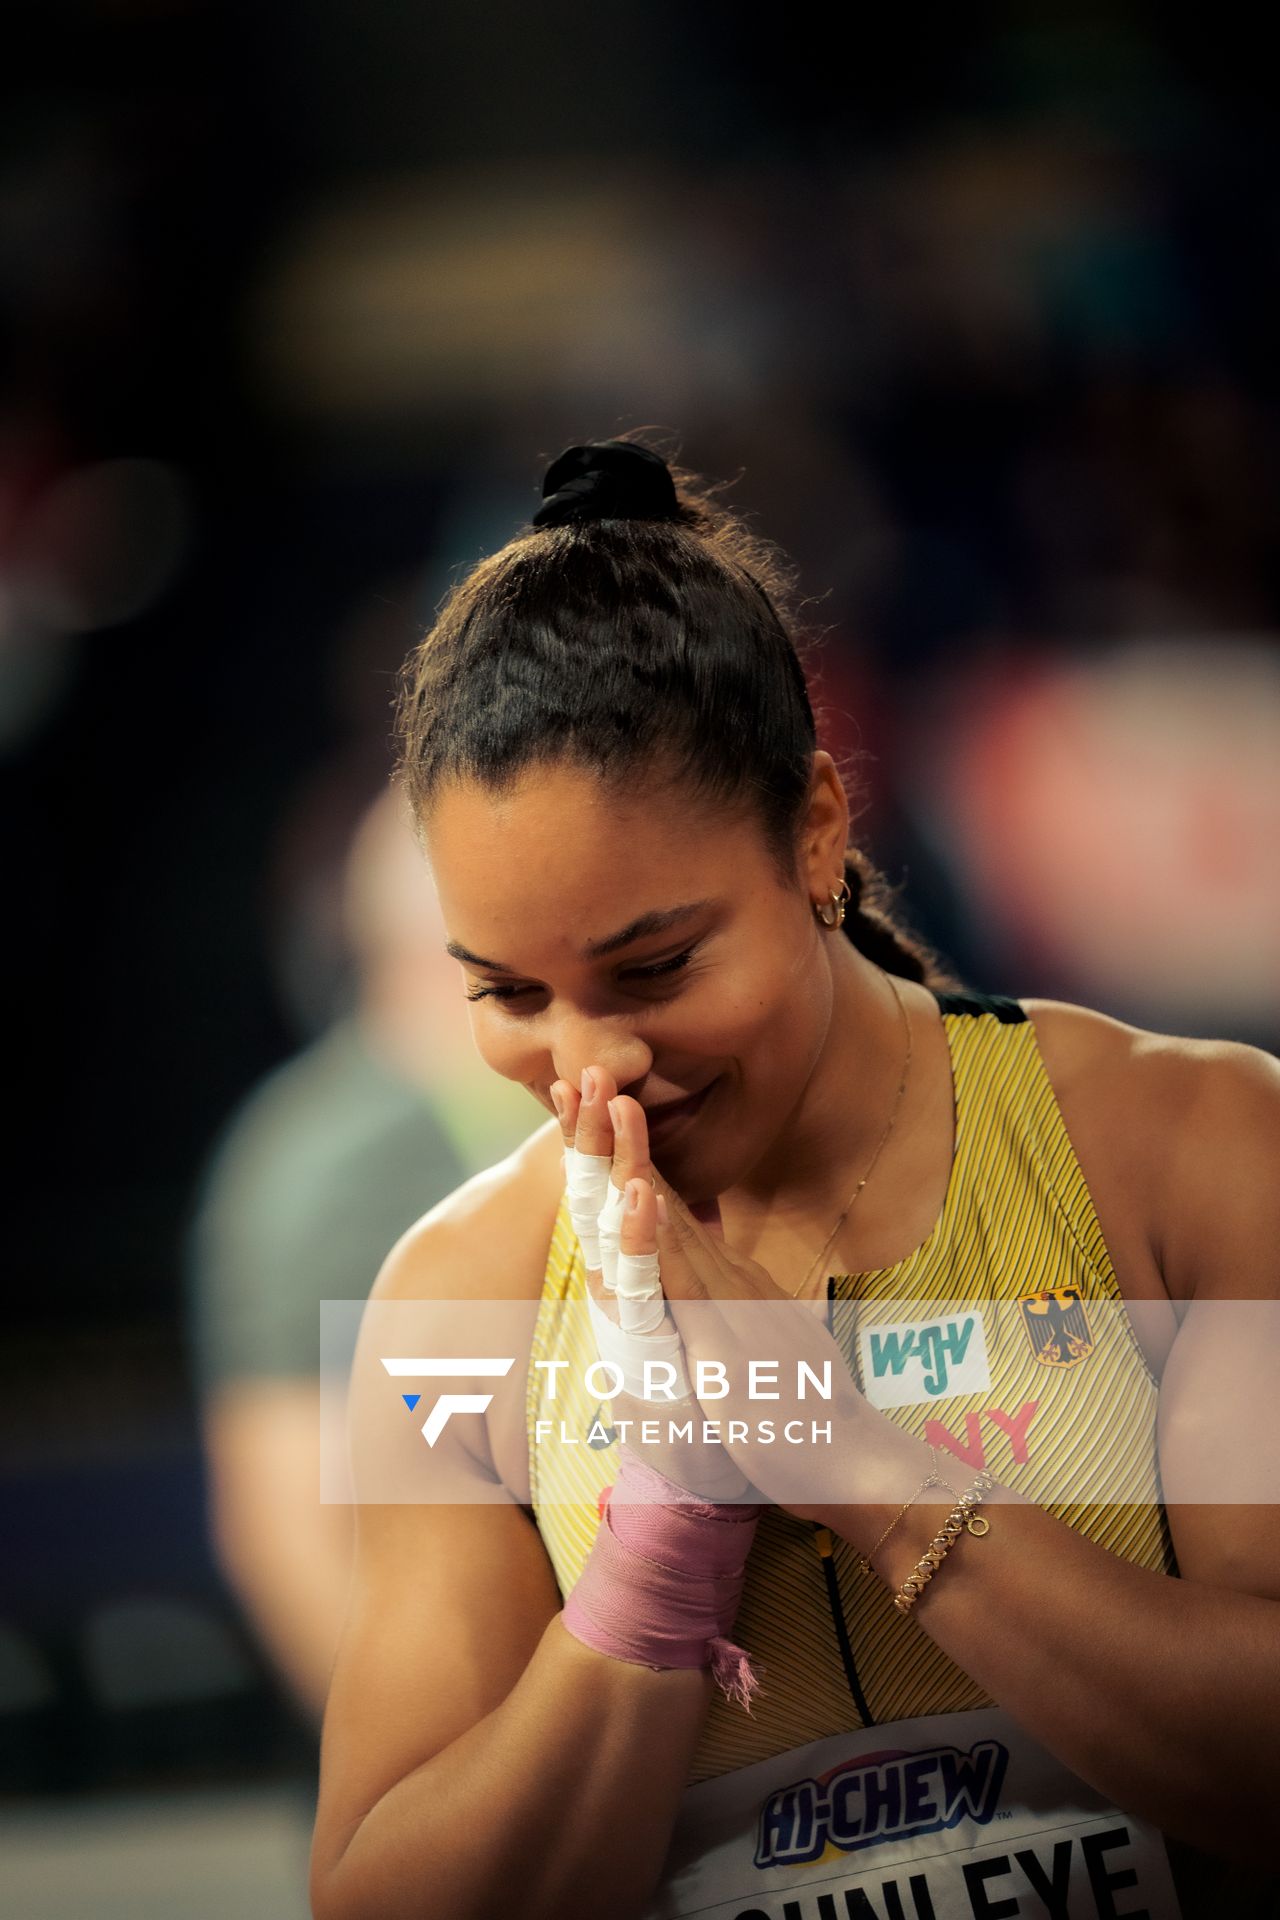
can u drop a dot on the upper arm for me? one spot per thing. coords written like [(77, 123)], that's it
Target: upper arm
[(447, 1606), (451, 1594), (1219, 1239)]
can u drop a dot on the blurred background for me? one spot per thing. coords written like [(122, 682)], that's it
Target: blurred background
[(296, 302)]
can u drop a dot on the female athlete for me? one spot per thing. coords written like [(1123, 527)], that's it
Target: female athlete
[(951, 1679)]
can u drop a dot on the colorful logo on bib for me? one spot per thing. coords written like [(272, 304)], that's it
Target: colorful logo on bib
[(1057, 1326), (880, 1797), (917, 1361)]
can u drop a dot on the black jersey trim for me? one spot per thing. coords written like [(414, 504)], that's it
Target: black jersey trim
[(1005, 1009)]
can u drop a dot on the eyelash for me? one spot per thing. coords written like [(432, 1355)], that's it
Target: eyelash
[(644, 973)]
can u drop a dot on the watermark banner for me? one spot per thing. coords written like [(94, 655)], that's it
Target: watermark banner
[(1066, 1399)]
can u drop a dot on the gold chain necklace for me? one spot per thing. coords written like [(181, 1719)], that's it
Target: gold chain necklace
[(893, 1114)]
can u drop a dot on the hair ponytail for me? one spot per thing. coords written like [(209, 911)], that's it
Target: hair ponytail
[(874, 928)]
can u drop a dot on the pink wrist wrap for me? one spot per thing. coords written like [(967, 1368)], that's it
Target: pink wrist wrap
[(662, 1582)]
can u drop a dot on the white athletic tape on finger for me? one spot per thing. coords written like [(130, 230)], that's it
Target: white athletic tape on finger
[(628, 1352), (586, 1180), (637, 1335), (642, 1305), (609, 1227)]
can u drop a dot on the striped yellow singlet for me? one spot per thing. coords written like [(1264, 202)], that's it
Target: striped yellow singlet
[(1017, 1221)]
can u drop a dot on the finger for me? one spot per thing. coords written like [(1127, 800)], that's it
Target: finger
[(600, 1293), (630, 1142), (642, 1306), (565, 1099), (641, 1340), (588, 1158), (585, 1189), (594, 1133), (630, 1161), (684, 1252), (691, 1229), (640, 1219)]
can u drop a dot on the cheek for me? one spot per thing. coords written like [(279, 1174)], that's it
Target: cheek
[(780, 1021), (499, 1043), (764, 1005)]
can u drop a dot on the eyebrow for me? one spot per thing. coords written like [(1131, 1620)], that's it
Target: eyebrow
[(645, 925)]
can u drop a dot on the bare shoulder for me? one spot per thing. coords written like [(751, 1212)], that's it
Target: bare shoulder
[(1179, 1080), (488, 1239), (1077, 1041), (1189, 1127)]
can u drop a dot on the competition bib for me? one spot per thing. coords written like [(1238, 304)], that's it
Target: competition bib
[(952, 1816)]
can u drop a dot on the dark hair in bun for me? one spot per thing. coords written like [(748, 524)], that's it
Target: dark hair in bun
[(639, 629), (607, 480)]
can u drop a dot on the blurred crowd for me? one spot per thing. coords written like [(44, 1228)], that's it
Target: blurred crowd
[(297, 305)]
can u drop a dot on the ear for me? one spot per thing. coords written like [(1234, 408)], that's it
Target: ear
[(824, 830)]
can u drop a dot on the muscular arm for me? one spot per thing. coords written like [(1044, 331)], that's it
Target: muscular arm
[(1175, 1710), (530, 1772), (477, 1758)]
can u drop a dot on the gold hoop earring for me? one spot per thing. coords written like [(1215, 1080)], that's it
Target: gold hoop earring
[(836, 902)]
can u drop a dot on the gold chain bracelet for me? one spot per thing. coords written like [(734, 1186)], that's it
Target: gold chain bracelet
[(934, 1480), (960, 1516)]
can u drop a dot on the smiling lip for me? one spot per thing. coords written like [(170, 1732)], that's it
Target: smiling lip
[(658, 1118)]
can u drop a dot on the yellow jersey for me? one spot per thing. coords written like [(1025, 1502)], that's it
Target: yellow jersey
[(1018, 1234)]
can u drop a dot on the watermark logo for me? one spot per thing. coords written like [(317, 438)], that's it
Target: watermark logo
[(914, 1362), (880, 1797), (783, 1392), (448, 1403)]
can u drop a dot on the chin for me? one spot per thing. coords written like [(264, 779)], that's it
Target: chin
[(674, 1166), (680, 1168)]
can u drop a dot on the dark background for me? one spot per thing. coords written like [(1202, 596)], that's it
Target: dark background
[(295, 304)]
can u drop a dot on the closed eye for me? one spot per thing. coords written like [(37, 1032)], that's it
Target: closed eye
[(633, 973)]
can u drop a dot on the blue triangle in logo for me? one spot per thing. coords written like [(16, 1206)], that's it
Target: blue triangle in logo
[(411, 1400)]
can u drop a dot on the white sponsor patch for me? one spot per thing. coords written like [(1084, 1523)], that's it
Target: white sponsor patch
[(912, 1363), (948, 1817)]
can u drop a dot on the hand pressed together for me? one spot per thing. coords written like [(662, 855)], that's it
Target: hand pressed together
[(730, 1313)]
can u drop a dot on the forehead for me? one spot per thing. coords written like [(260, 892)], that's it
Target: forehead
[(561, 859)]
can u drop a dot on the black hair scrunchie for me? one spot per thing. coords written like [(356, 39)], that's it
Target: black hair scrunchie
[(607, 480)]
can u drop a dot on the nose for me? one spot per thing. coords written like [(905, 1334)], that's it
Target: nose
[(604, 1044)]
